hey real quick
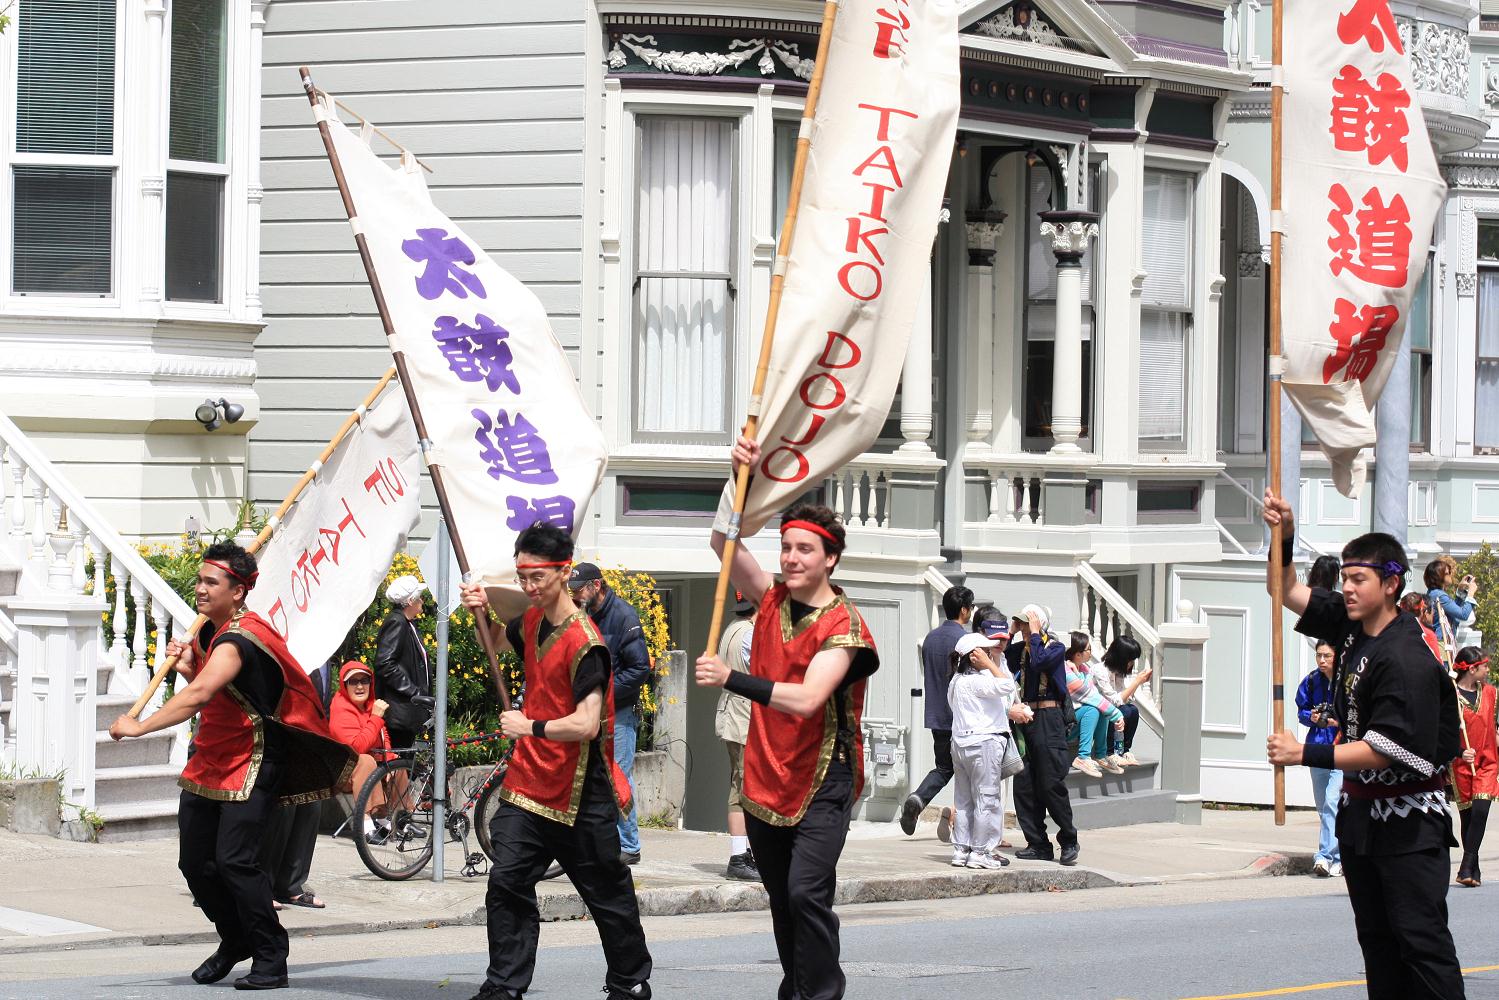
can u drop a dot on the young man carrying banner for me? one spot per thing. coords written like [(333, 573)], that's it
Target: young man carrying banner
[(563, 793), (804, 760), (1398, 712), (262, 736)]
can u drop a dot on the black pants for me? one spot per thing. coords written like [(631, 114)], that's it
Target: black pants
[(1042, 787), (286, 851), (1474, 820), (799, 868), (219, 856), (941, 773), (1131, 723), (588, 851), (1400, 910)]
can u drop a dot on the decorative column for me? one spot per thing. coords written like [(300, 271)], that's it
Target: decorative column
[(1392, 450), (152, 146), (983, 228), (916, 376), (1070, 233), (1182, 642)]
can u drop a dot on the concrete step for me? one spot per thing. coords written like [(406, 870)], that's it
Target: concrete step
[(1120, 799), (148, 820), (1081, 787), (124, 786), (153, 749), (109, 707)]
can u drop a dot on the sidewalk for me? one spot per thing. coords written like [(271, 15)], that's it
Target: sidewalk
[(66, 895)]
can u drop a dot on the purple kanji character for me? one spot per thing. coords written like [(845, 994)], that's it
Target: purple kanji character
[(442, 254), (513, 449), (477, 353), (553, 510)]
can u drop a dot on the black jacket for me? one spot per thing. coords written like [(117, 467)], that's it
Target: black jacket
[(619, 626), (401, 673)]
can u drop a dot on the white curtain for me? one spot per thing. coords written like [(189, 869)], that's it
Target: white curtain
[(1166, 303), (684, 260), (1486, 394)]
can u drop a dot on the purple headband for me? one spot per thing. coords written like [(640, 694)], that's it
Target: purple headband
[(1386, 569)]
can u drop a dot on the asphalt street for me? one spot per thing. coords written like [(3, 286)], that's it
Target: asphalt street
[(1242, 938)]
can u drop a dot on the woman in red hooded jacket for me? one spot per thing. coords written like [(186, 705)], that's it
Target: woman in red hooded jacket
[(357, 719)]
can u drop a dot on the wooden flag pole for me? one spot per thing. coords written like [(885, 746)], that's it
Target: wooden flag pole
[(773, 311), (1276, 367), (271, 525), (1449, 654), (486, 638)]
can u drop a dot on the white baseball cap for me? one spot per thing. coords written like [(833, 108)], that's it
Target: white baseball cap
[(402, 589), (973, 640)]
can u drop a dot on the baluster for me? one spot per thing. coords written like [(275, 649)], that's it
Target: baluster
[(117, 651), (861, 499), (1024, 513), (1040, 498), (841, 496), (142, 616), (98, 551), (80, 553), (17, 501), (39, 520), (883, 520), (163, 634), (827, 493), (996, 488)]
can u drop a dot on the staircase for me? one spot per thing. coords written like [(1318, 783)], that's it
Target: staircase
[(49, 536), (1120, 799)]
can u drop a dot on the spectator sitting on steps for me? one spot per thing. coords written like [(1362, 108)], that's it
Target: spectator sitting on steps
[(1116, 680), (1100, 724)]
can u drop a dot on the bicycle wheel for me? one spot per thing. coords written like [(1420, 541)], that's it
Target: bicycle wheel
[(486, 807), (400, 793)]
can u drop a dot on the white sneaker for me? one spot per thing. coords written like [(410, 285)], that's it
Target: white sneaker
[(1335, 870), (960, 856), (981, 859), (1108, 765), (1086, 766), (1118, 760), (1320, 869), (1129, 759)]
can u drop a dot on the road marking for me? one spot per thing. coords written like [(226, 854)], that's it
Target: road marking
[(1317, 987), (30, 924)]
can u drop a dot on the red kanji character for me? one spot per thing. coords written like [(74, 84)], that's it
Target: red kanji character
[(1371, 119), (1380, 250), (1370, 21), (1360, 337)]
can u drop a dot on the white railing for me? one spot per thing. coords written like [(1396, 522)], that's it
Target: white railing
[(53, 531), (1106, 615), (8, 653), (1013, 490), (860, 492)]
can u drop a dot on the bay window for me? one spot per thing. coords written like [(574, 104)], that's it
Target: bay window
[(197, 165)]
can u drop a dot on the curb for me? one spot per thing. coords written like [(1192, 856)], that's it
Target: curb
[(729, 898)]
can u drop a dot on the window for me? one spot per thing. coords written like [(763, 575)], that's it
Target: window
[(1166, 310), (64, 168), (197, 168), (1041, 315), (684, 289), (1486, 391), (786, 132), (1419, 338)]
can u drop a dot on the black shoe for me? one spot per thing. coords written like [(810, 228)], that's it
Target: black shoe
[(629, 857), (1034, 854), (909, 813), (551, 873), (1069, 856), (640, 991), (742, 867), (216, 967), (379, 835), (261, 981), (488, 992)]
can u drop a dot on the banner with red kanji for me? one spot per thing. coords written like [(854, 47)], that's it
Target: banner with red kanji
[(1362, 193)]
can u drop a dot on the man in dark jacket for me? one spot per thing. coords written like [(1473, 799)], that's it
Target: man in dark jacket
[(1042, 712), (936, 656), (620, 627), (403, 678)]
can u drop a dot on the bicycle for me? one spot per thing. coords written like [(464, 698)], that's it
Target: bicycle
[(404, 786)]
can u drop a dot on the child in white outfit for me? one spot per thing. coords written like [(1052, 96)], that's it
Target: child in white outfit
[(979, 693)]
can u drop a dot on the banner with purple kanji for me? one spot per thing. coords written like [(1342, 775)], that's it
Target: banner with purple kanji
[(508, 425)]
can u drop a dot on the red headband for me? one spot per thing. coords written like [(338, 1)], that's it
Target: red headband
[(550, 565), (249, 584), (1473, 666), (816, 529)]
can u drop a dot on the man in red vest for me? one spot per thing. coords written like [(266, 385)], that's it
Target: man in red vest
[(804, 761), (262, 738), (563, 793)]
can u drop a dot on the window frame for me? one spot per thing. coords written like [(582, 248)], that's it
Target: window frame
[(1479, 359), (11, 157), (1192, 171)]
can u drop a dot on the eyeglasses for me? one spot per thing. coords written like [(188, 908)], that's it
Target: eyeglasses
[(358, 681)]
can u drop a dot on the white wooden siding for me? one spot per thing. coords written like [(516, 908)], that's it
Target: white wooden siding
[(491, 95)]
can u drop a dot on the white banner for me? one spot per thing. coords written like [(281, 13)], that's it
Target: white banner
[(501, 404), (1362, 194), (328, 558), (875, 178)]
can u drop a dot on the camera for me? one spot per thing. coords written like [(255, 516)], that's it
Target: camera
[(1324, 710)]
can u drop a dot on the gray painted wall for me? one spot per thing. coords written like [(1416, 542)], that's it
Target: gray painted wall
[(491, 96)]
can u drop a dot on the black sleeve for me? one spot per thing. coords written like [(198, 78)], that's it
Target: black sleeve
[(866, 662), (592, 674), (512, 636), (1325, 617)]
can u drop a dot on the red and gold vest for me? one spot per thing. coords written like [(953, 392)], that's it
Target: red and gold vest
[(229, 743), (786, 757), (1481, 781), (546, 776)]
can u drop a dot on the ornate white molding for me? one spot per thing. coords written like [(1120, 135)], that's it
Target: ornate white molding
[(983, 235), (1251, 264), (133, 364), (1467, 285), (1029, 26), (1491, 83), (1440, 57), (1475, 177), (1069, 238), (738, 52)]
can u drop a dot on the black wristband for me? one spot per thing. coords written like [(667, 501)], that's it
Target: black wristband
[(756, 689), (1319, 755), (539, 729), (1288, 548)]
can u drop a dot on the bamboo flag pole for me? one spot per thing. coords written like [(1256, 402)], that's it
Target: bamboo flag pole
[(1276, 365), (486, 638), (1449, 643), (772, 313), (271, 525)]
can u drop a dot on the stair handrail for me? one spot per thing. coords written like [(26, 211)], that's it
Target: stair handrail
[(1115, 600), (80, 508)]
